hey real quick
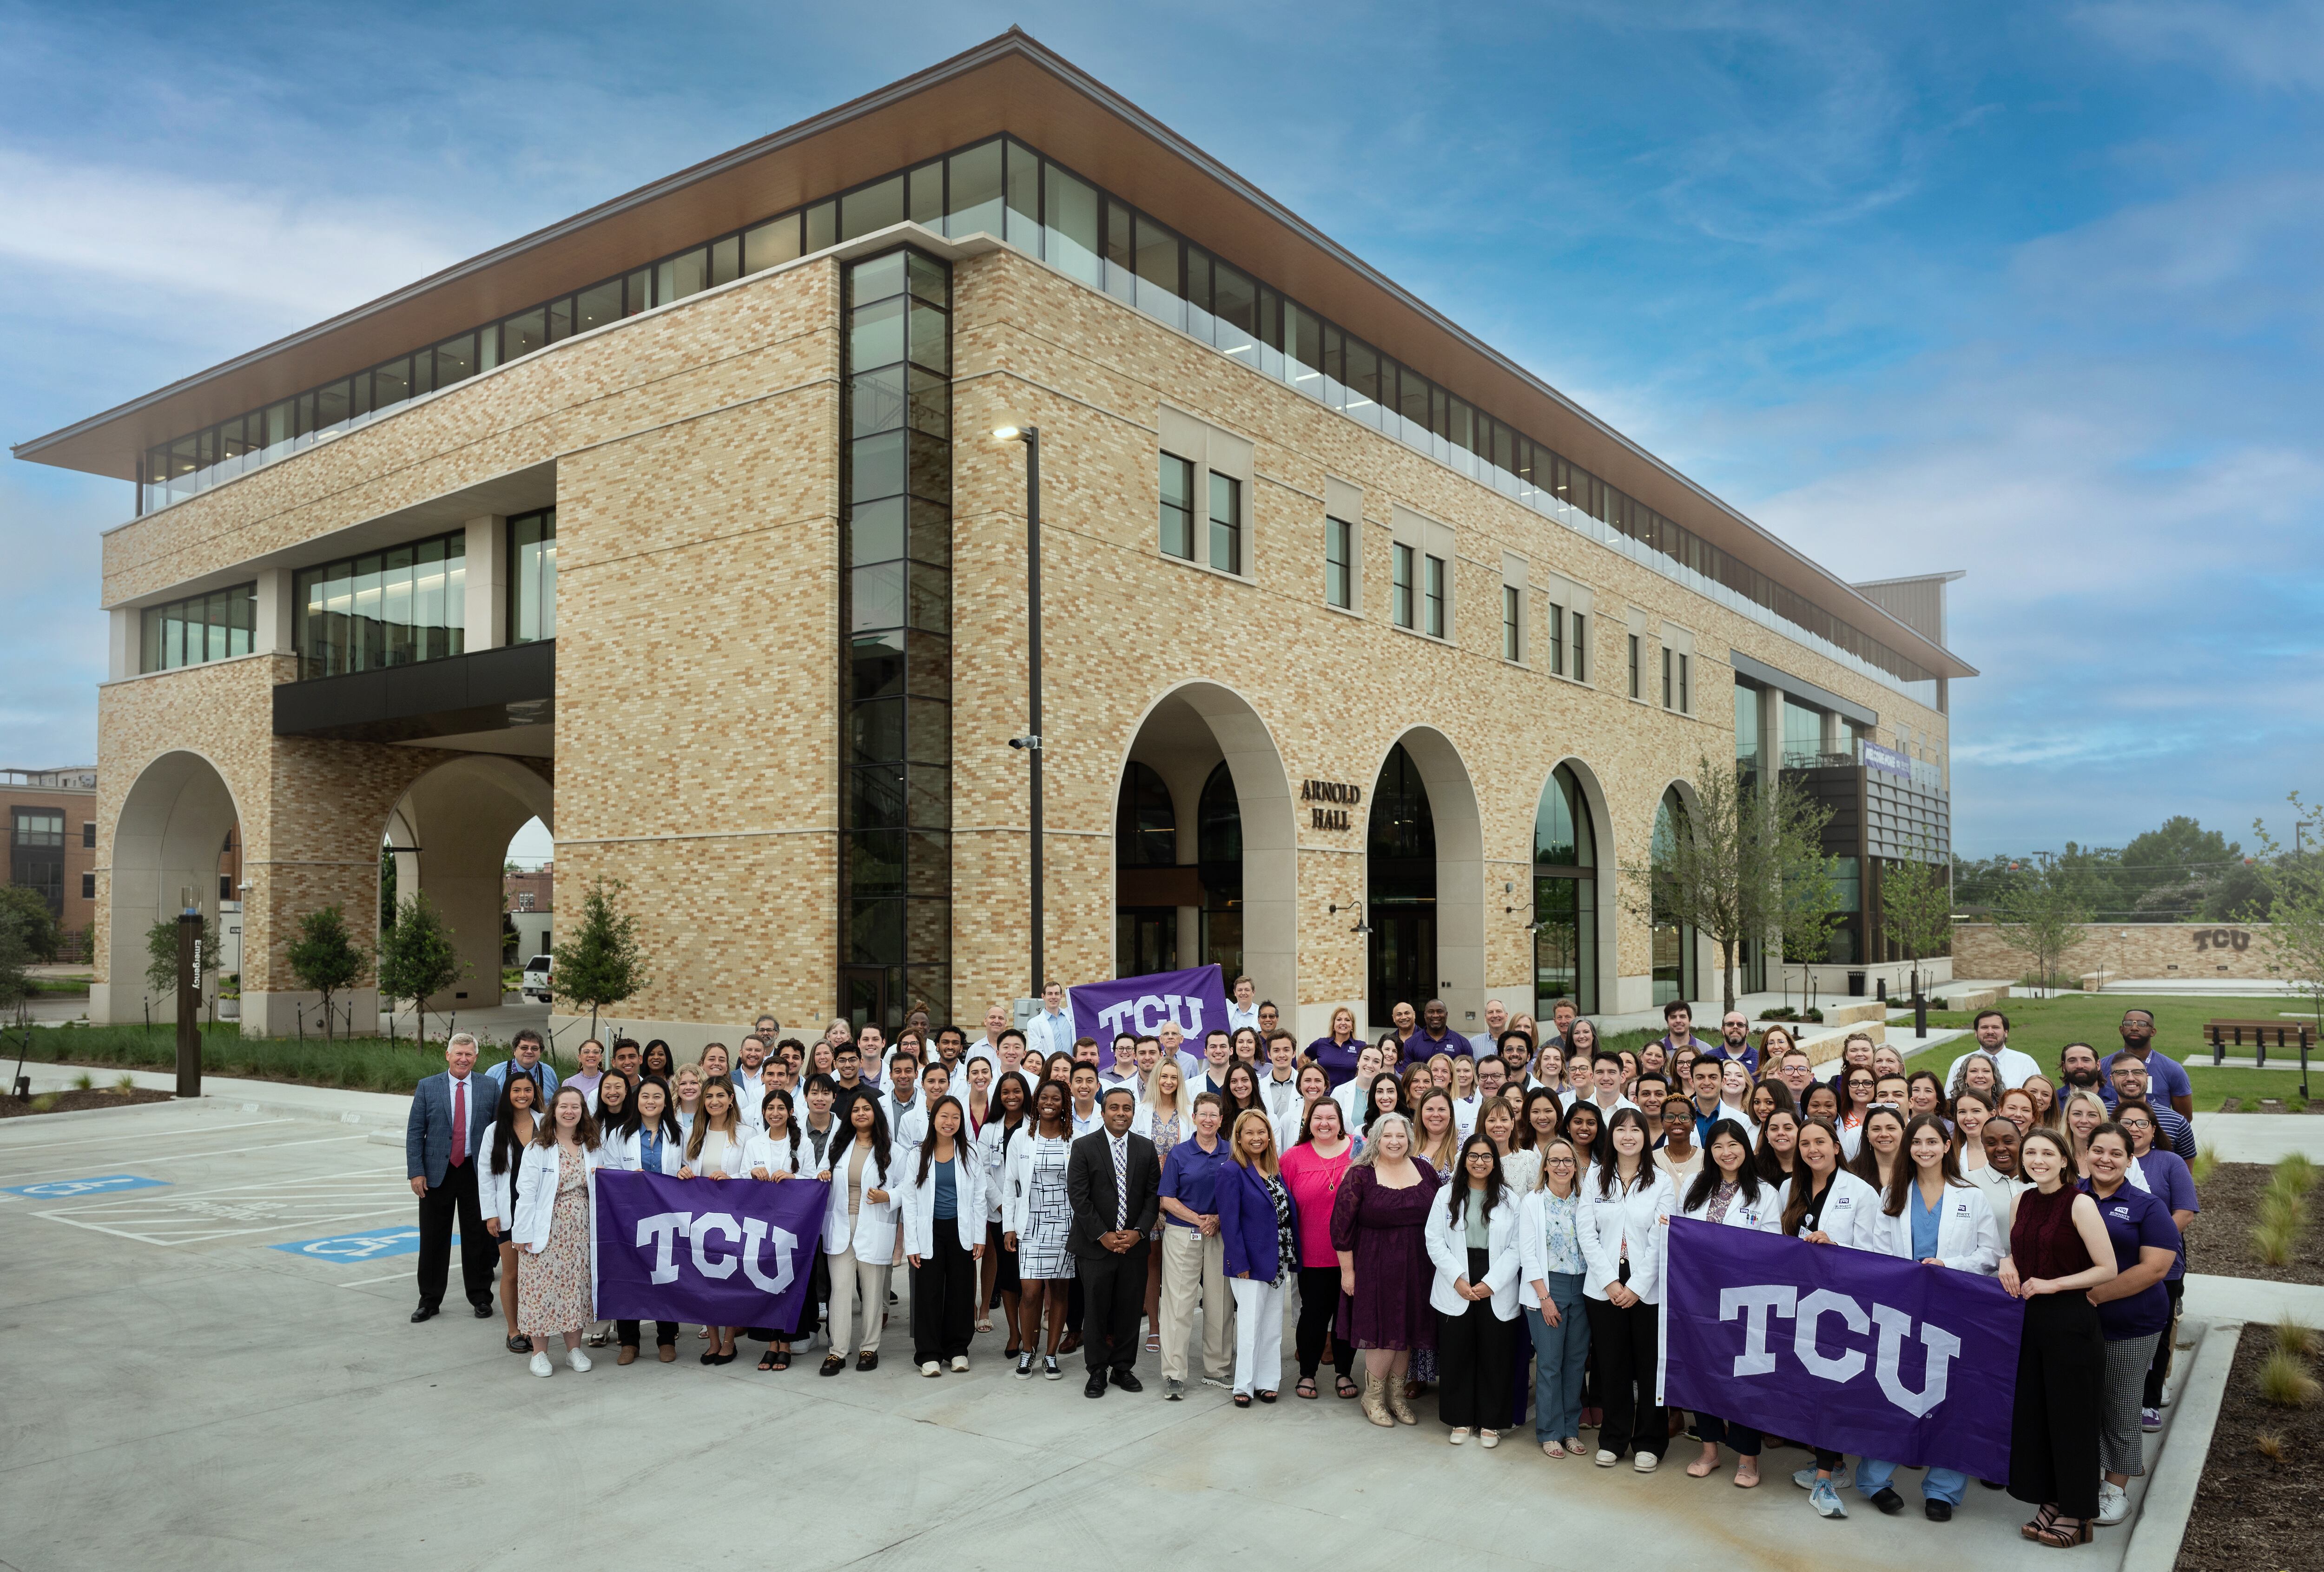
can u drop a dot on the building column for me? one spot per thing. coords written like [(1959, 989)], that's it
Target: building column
[(487, 580), (277, 629)]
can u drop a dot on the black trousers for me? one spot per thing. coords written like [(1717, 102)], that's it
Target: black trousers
[(1319, 1309), (625, 1333), (1074, 1305), (479, 1251), (1113, 1296), (1742, 1437), (2162, 1346), (1623, 1342), (2054, 1432), (943, 1297), (1475, 1351)]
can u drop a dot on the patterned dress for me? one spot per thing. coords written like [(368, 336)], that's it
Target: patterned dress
[(1048, 1213), (1384, 1229), (553, 1287)]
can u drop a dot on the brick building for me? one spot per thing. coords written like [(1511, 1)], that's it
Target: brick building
[(1368, 658)]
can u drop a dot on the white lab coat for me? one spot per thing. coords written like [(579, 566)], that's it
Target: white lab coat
[(725, 1163), (989, 1157), (917, 1200), (872, 1234), (623, 1151), (1848, 1211), (536, 1196), (493, 1189), (765, 1151), (1969, 1236), (1448, 1249), (1634, 1213), (1766, 1215)]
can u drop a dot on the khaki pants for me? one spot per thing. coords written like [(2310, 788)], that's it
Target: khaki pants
[(1195, 1270), (855, 1327)]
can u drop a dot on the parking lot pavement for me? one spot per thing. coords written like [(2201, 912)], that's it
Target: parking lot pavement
[(209, 1365)]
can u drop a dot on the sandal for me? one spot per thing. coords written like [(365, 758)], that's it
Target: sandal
[(782, 1359), (767, 1359), (984, 1323), (1267, 1397), (2061, 1537), (2041, 1523), (1306, 1387), (1346, 1388), (1242, 1400)]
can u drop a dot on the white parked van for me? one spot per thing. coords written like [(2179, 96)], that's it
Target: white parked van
[(536, 979)]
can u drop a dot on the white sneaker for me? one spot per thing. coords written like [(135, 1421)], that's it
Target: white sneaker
[(577, 1359), (541, 1364), (932, 1368), (1605, 1459), (1460, 1434), (1646, 1462), (1489, 1440), (2114, 1503), (960, 1364)]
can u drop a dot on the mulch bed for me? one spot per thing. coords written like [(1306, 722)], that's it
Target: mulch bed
[(2254, 1512), (2219, 1240), (73, 1102)]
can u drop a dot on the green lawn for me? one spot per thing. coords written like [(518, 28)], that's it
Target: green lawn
[(360, 1063), (2251, 1085), (2043, 1026)]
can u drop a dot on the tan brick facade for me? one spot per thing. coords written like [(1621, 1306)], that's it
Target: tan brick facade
[(2140, 950), (697, 745)]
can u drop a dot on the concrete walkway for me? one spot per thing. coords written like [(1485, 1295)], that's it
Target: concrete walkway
[(2253, 1298), (2260, 1137)]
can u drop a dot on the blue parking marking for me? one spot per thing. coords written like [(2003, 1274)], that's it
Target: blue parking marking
[(373, 1245), (67, 1188)]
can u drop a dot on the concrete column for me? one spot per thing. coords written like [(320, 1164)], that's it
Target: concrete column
[(123, 642), (277, 630), (488, 608)]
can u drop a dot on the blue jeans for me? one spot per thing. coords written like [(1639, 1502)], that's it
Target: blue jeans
[(1559, 1353), (1945, 1484)]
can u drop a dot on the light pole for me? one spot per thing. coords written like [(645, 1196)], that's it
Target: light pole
[(1030, 436)]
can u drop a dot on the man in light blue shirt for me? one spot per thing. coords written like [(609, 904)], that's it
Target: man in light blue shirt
[(1050, 1032), (1242, 1012), (525, 1054)]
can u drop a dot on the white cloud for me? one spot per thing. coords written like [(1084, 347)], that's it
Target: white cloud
[(2273, 46)]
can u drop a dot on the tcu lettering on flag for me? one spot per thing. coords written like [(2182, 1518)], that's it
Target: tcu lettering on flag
[(1196, 999), (1842, 1349), (723, 1252)]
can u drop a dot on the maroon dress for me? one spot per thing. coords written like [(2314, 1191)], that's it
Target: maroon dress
[(1385, 1230)]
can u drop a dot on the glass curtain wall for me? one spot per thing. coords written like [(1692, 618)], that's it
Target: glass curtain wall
[(1673, 941), (1564, 898), (397, 607), (199, 629), (1218, 830), (532, 576), (1400, 890), (1145, 836), (895, 883), (1007, 189)]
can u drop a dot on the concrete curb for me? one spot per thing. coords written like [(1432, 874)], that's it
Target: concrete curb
[(324, 1105), (2178, 1471)]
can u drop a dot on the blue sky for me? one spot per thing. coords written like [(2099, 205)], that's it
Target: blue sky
[(2030, 290)]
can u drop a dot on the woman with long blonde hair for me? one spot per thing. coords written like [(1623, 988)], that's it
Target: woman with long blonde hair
[(1259, 1223)]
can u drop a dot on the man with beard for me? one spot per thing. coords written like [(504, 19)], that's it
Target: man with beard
[(2165, 1074)]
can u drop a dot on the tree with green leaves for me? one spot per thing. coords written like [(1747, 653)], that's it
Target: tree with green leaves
[(161, 958), (1747, 845), (24, 910), (387, 896), (600, 965), (1916, 905), (417, 958), (2042, 913), (323, 959), (15, 958), (2295, 913)]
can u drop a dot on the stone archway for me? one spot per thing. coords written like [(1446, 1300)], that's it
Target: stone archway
[(1459, 892), (166, 842), (449, 833), (1186, 736)]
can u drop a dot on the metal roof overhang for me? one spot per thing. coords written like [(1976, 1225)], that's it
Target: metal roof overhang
[(1008, 84)]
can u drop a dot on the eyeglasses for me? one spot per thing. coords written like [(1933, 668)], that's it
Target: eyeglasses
[(1561, 1162)]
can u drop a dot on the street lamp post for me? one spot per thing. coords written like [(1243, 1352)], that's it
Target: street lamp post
[(1030, 436)]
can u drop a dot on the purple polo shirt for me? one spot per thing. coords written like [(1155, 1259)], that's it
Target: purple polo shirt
[(1192, 1177)]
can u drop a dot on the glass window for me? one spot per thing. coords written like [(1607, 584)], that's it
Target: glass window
[(1158, 272), (533, 577), (1635, 691), (1226, 523), (681, 276), (199, 629), (975, 199), (726, 261), (560, 319), (1512, 610), (1024, 198), (1069, 227), (391, 383), (524, 333), (1434, 590), (1340, 563), (1234, 303), (1670, 678), (822, 221), (1177, 511), (1401, 584), (1580, 648), (391, 608), (776, 241), (597, 306), (875, 207), (1685, 702), (924, 196), (1557, 640), (455, 359)]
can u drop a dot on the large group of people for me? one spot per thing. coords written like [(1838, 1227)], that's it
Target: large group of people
[(1483, 1219)]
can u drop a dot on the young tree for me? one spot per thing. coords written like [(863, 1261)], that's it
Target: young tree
[(161, 958), (2042, 913), (15, 956), (1916, 907), (600, 964), (323, 959), (23, 909), (1745, 842), (417, 958)]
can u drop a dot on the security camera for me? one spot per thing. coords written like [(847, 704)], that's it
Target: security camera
[(1033, 744)]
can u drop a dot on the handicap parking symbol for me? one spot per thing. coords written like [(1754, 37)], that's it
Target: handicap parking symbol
[(67, 1188), (369, 1246)]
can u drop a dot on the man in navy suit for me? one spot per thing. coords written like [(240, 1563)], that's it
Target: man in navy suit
[(440, 1143)]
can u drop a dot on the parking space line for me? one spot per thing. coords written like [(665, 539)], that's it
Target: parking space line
[(391, 1277), (231, 1211), (180, 1156), (31, 1148)]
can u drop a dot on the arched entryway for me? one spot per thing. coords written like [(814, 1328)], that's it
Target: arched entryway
[(449, 836), (1205, 844), (1673, 941), (1423, 882), (172, 830)]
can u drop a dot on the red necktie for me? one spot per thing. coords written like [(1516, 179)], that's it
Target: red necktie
[(460, 1124)]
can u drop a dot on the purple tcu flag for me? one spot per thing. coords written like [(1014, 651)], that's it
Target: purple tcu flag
[(1840, 1348), (723, 1251), (1196, 999)]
